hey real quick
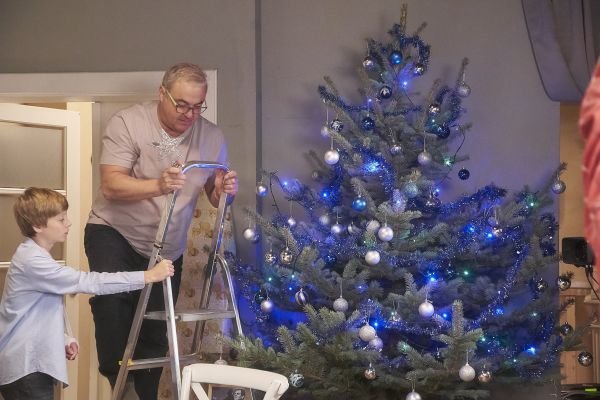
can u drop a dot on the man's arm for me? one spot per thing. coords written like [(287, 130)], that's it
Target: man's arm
[(117, 184)]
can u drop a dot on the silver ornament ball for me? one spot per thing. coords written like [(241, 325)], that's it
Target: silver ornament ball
[(324, 219), (270, 258), (367, 333), (340, 304), (466, 373), (332, 157), (291, 222), (413, 396), (325, 131), (249, 233), (463, 90), (558, 187), (220, 361), (336, 229), (372, 257), (376, 343), (395, 149), (262, 190), (266, 305), (385, 233), (296, 379), (286, 257), (585, 358), (426, 309), (373, 225), (424, 158), (301, 297), (485, 376), (370, 373)]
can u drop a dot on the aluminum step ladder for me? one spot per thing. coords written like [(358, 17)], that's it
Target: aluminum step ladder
[(199, 316)]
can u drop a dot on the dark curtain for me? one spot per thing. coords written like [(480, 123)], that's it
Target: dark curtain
[(565, 44)]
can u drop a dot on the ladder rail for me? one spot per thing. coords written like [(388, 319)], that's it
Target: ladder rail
[(126, 362)]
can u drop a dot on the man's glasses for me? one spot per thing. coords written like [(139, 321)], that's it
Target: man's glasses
[(185, 108)]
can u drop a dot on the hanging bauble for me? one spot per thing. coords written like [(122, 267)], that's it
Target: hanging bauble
[(434, 109), (367, 333), (337, 125), (372, 257), (395, 57), (485, 376), (413, 396), (563, 282), (426, 309), (340, 304), (301, 297), (541, 285), (385, 92), (353, 229), (262, 190), (369, 63), (463, 90), (418, 69), (291, 222), (266, 305), (432, 203), (332, 157), (373, 226), (411, 190), (329, 259), (385, 233), (336, 228), (370, 373), (251, 235), (367, 123), (260, 296), (585, 358), (359, 204), (376, 343), (325, 131), (566, 329), (324, 219), (497, 231), (395, 149), (270, 258), (296, 379), (442, 131), (394, 316), (220, 361), (438, 355), (466, 373), (464, 174), (424, 158), (286, 257), (558, 187)]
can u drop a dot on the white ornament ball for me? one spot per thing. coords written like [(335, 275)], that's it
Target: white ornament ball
[(251, 235), (353, 229), (385, 233), (324, 219), (424, 158), (367, 333), (426, 309), (340, 304), (372, 257), (413, 396), (463, 90), (267, 305), (336, 229), (291, 222), (325, 131), (376, 343), (373, 225), (262, 190), (466, 373), (332, 157)]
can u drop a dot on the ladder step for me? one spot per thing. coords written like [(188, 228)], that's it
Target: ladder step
[(191, 315), (144, 363)]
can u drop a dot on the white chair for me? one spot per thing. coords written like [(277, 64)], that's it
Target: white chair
[(274, 385)]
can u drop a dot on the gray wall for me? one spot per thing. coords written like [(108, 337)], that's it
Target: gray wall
[(272, 54)]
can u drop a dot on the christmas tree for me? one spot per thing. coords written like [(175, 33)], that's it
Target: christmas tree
[(382, 290)]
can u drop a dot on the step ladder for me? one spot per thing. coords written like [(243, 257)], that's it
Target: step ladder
[(199, 316)]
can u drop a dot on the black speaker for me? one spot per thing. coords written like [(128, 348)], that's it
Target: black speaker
[(576, 251)]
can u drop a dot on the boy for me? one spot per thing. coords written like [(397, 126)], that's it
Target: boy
[(32, 323)]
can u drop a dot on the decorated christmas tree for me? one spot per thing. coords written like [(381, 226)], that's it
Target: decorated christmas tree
[(371, 286)]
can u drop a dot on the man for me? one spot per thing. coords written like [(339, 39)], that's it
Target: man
[(142, 149)]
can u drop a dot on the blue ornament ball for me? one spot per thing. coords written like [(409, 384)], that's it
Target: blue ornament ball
[(464, 174), (442, 131), (359, 204), (411, 190), (367, 123), (385, 92), (395, 57)]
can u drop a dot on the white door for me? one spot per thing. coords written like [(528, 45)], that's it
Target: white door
[(39, 147)]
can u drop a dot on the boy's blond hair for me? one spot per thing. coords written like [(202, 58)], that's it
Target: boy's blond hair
[(35, 206)]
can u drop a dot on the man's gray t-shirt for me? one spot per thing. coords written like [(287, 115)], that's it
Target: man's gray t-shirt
[(132, 140)]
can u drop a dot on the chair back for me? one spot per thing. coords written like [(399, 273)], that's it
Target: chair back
[(274, 385)]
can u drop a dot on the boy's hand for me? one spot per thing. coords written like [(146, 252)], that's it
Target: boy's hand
[(71, 350), (159, 272)]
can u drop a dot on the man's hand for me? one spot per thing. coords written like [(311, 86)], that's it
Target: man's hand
[(171, 179), (226, 182), (159, 272)]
